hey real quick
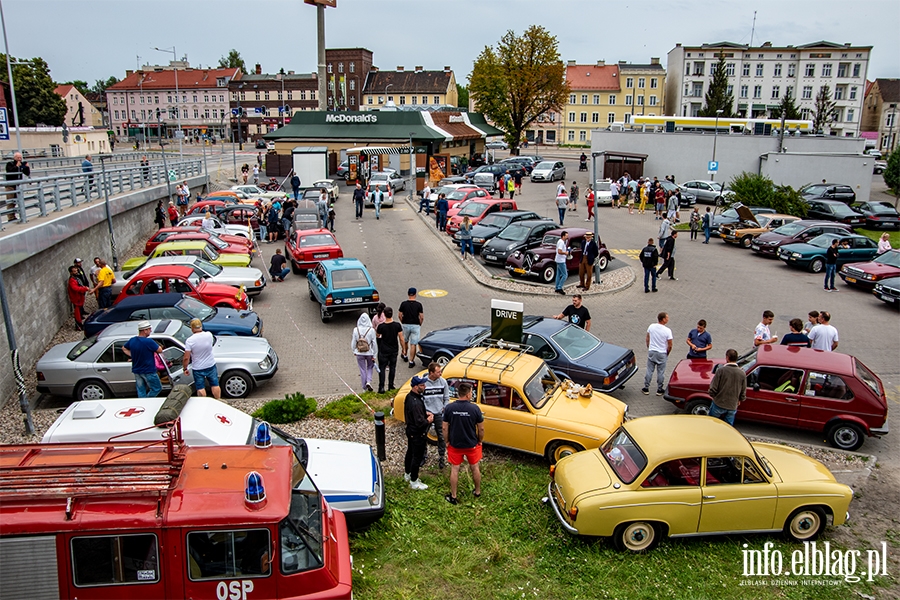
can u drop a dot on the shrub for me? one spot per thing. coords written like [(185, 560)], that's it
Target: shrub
[(788, 201), (752, 189), (346, 409), (892, 172), (293, 408)]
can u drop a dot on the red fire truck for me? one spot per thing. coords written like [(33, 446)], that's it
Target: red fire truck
[(162, 520)]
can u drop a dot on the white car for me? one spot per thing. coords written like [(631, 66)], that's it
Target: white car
[(602, 193), (386, 200), (218, 227), (254, 191), (330, 185), (391, 177), (347, 473)]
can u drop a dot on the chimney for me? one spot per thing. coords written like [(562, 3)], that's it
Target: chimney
[(400, 68), (678, 45), (654, 60), (373, 69), (447, 69), (419, 69), (290, 72), (258, 69), (128, 72), (601, 63), (571, 63)]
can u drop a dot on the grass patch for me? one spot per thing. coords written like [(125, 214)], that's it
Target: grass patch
[(293, 408), (349, 408), (508, 545), (875, 234)]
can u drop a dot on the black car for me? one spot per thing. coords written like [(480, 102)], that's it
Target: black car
[(829, 191), (497, 170), (730, 216), (494, 223), (879, 214), (569, 350), (834, 210), (888, 290), (527, 162), (519, 236)]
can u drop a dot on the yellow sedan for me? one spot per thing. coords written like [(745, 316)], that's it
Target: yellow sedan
[(685, 475)]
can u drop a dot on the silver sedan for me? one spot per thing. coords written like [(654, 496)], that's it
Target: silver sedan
[(707, 192), (97, 368), (392, 177)]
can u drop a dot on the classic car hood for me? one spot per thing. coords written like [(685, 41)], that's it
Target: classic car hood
[(207, 287), (342, 468), (600, 410), (875, 268), (792, 465), (605, 356), (239, 274), (134, 263), (458, 335), (484, 230), (234, 347), (582, 473), (543, 251), (233, 260), (228, 318), (745, 214)]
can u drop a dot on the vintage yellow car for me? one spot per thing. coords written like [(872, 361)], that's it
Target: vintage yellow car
[(750, 226), (526, 407), (684, 475), (201, 248)]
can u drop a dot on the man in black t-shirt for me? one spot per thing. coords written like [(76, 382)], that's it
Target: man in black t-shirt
[(831, 256), (276, 266), (464, 432), (390, 336), (576, 313), (411, 316)]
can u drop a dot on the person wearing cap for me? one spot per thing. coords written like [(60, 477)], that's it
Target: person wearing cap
[(418, 420), (464, 432), (198, 352), (82, 276), (141, 350), (411, 316), (588, 257)]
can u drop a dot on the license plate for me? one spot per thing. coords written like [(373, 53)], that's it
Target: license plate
[(850, 279), (520, 271), (887, 298), (352, 300), (490, 257), (755, 247), (321, 255)]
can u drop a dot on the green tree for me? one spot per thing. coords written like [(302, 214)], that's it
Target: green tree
[(100, 85), (753, 189), (81, 86), (36, 100), (892, 172), (826, 110), (233, 60), (786, 106), (462, 93), (717, 96), (518, 81)]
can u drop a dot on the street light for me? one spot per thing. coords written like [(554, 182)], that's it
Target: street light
[(12, 91), (385, 93), (412, 166), (715, 139), (180, 134)]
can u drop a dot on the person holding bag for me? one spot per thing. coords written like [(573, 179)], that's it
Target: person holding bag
[(364, 346)]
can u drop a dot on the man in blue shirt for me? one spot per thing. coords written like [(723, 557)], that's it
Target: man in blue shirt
[(699, 341), (141, 349), (87, 167)]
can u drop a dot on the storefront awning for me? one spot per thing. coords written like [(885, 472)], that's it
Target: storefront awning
[(372, 150)]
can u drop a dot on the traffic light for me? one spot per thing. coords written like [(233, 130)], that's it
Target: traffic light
[(157, 114), (65, 133)]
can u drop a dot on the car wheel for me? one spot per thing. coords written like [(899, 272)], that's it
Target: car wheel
[(817, 265), (295, 267), (312, 296), (92, 390), (640, 536), (602, 263), (846, 436), (746, 241), (236, 384), (548, 274), (805, 524), (561, 449), (697, 407), (442, 359), (326, 316)]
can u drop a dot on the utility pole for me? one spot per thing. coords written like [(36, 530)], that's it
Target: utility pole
[(109, 223), (12, 91), (320, 33)]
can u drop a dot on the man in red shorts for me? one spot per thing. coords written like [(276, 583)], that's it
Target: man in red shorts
[(464, 432)]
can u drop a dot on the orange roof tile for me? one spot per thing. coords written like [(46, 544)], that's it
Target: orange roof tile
[(165, 80), (592, 77), (63, 90)]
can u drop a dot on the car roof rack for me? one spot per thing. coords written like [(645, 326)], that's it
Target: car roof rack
[(494, 355)]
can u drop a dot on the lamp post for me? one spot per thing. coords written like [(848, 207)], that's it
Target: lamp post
[(180, 134), (412, 166), (240, 133), (109, 224), (385, 93), (715, 139), (12, 91), (892, 141), (162, 151)]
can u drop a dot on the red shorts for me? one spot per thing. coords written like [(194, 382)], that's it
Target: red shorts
[(455, 455)]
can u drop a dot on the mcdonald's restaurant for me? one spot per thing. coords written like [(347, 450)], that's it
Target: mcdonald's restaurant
[(443, 143)]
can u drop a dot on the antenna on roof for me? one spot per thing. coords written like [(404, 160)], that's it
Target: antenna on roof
[(753, 29)]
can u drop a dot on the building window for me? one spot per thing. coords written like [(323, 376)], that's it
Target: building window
[(729, 70), (745, 70), (596, 98), (553, 117), (184, 99), (196, 114), (792, 70), (627, 118), (744, 91), (256, 95), (143, 115), (402, 100), (789, 91), (777, 69), (369, 100), (584, 98), (826, 70), (595, 117), (757, 91), (629, 82), (807, 92), (155, 99), (640, 100), (610, 117), (687, 67), (353, 67), (424, 99), (340, 67), (437, 99), (853, 93), (352, 85), (628, 100), (805, 114), (612, 99), (642, 82), (654, 82), (759, 69), (390, 98), (776, 91), (312, 95), (133, 115), (856, 70), (216, 113), (582, 136), (195, 97), (265, 95), (380, 99), (810, 70), (571, 98), (329, 67), (699, 67), (842, 69), (571, 136), (206, 97), (839, 92), (353, 100), (142, 99), (888, 122), (849, 115), (653, 100), (698, 89), (551, 136), (415, 100), (571, 117), (205, 113), (117, 115)]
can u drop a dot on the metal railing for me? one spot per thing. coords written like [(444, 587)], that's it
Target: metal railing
[(36, 153), (26, 199), (72, 164)]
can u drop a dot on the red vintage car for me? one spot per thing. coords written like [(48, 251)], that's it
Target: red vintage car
[(240, 214), (168, 234), (165, 279), (540, 262), (476, 210), (794, 387), (308, 247), (212, 205), (867, 274), (459, 193), (225, 244)]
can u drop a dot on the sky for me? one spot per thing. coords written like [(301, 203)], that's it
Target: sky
[(93, 39)]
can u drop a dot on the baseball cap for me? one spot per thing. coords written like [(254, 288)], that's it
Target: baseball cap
[(417, 380), (142, 325), (411, 292), (78, 260)]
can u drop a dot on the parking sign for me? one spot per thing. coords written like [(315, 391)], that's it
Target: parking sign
[(712, 167), (4, 125)]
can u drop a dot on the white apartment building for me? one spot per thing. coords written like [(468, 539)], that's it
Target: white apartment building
[(760, 76)]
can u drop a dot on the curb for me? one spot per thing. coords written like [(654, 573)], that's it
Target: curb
[(486, 279)]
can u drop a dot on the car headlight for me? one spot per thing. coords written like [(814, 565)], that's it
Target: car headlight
[(868, 276), (255, 329), (510, 247), (265, 363), (796, 255), (478, 240), (517, 254), (258, 283)]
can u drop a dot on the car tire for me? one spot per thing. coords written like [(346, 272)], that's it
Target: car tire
[(602, 263), (548, 274), (637, 536), (236, 384), (846, 436), (312, 296), (442, 359), (561, 449), (746, 241), (805, 524), (817, 265), (697, 407), (295, 267), (92, 390)]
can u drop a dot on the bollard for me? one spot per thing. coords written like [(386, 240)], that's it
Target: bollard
[(379, 434)]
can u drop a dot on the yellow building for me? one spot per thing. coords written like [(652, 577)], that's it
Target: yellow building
[(409, 88)]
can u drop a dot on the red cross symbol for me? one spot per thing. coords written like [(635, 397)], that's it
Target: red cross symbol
[(129, 412), (223, 419)]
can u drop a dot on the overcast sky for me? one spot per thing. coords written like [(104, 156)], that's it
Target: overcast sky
[(93, 39)]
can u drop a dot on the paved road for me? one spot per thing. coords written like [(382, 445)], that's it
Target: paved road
[(727, 286)]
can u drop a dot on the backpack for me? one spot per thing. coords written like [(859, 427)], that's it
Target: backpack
[(362, 344)]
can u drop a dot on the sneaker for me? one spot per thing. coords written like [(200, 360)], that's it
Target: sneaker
[(660, 392), (403, 358), (476, 494), (673, 278), (835, 290), (451, 499), (646, 291), (380, 391), (406, 477), (412, 365), (827, 290), (369, 387), (645, 391), (654, 290), (418, 485)]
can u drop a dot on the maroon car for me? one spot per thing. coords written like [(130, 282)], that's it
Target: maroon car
[(767, 244), (539, 262), (795, 387), (239, 215), (867, 274)]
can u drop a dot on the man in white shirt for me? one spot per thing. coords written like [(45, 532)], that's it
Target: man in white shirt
[(659, 345), (762, 334), (198, 352), (824, 336), (562, 253)]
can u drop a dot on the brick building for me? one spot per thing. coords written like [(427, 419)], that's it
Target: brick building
[(268, 100), (346, 70)]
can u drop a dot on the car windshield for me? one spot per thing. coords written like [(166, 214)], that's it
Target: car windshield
[(868, 378), (747, 361), (345, 279), (544, 165), (218, 242), (625, 458), (456, 194), (319, 239), (301, 530), (473, 209), (498, 221), (822, 241), (892, 259), (211, 252), (208, 267), (514, 233), (550, 240), (730, 214), (81, 347), (196, 309), (814, 190), (575, 341), (541, 386), (378, 176), (183, 333), (790, 229)]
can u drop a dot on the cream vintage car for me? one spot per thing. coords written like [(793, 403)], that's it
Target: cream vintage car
[(525, 406), (685, 475), (750, 226)]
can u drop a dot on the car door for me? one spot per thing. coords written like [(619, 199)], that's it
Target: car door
[(809, 234), (862, 249), (508, 420), (114, 367), (318, 283), (825, 396), (675, 485), (537, 234), (732, 486), (773, 396)]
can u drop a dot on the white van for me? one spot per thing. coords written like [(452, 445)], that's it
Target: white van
[(347, 473)]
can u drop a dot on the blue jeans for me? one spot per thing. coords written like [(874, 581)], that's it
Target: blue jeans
[(296, 193), (104, 297), (378, 210), (651, 272), (562, 215), (656, 360), (706, 234), (442, 221), (148, 385), (204, 376), (263, 232), (284, 273), (425, 204), (829, 276), (562, 273), (466, 244), (722, 413)]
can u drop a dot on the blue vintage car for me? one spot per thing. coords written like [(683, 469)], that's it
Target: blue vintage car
[(811, 255), (341, 284), (571, 352), (180, 307)]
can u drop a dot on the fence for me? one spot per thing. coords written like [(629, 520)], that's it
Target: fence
[(36, 197), (72, 164)]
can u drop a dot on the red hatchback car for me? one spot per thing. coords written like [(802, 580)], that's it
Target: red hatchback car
[(308, 247), (795, 387), (165, 279), (170, 234), (476, 210)]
